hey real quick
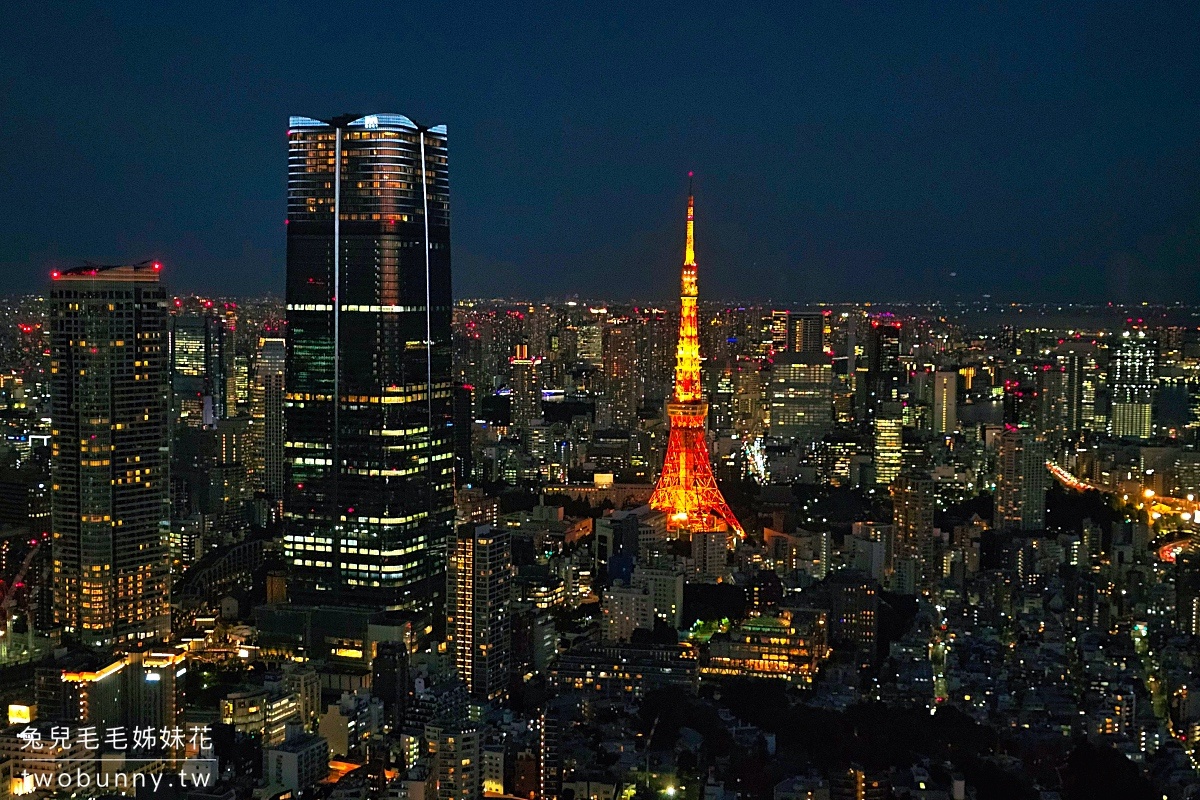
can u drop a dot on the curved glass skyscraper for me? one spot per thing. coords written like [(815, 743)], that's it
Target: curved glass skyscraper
[(369, 505)]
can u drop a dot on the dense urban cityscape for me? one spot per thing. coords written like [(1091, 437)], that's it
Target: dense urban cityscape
[(369, 541), (600, 402)]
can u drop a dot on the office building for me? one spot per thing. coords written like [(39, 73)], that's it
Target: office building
[(889, 441), (624, 670), (369, 506), (801, 397), (777, 330), (885, 372), (108, 384), (1132, 374), (806, 333), (852, 600), (202, 368), (479, 587), (296, 765), (389, 680)]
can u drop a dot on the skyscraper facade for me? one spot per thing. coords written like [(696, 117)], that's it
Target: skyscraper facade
[(945, 402), (885, 372), (479, 586), (1132, 375), (1077, 395), (526, 396), (621, 376), (888, 425), (109, 385), (202, 369), (913, 505), (801, 397), (1021, 481), (806, 332), (267, 411), (369, 506)]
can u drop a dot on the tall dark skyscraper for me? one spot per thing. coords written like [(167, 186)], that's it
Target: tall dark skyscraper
[(369, 506), (108, 382), (885, 373)]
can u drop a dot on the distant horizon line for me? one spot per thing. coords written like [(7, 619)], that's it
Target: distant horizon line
[(991, 302)]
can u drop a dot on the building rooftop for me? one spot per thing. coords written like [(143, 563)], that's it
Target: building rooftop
[(142, 271)]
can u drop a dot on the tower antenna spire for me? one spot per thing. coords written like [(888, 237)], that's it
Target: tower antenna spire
[(689, 256)]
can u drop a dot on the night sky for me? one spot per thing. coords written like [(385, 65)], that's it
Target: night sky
[(842, 151)]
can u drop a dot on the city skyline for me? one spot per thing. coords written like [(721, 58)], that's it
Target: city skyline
[(339, 462)]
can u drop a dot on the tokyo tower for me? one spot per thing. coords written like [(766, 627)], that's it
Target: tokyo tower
[(687, 489)]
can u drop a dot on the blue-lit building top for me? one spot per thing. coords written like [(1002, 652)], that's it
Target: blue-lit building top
[(369, 506)]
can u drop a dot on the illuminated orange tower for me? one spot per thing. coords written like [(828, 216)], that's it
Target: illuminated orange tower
[(687, 489)]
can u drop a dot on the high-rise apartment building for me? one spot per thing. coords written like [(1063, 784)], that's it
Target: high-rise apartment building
[(665, 586), (622, 381), (855, 783), (1187, 589), (945, 402), (913, 505), (108, 383), (1132, 375), (1021, 481), (369, 506), (625, 609), (267, 410), (526, 396), (478, 604)]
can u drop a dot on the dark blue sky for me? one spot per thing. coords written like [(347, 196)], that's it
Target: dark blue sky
[(842, 151)]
